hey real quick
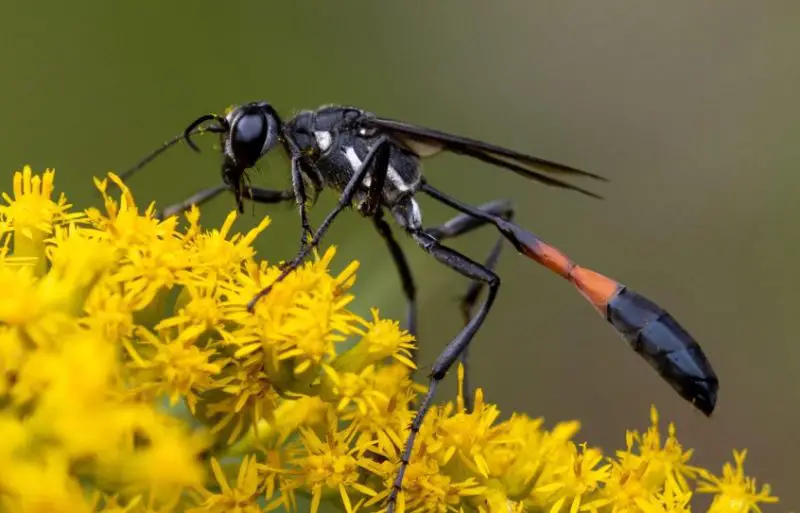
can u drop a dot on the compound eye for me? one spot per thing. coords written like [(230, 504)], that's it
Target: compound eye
[(248, 138)]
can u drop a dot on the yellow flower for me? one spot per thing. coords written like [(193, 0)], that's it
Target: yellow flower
[(670, 500), (151, 269), (349, 388), (243, 397), (40, 308), (106, 315), (579, 475), (161, 457), (178, 367), (13, 353), (77, 264), (298, 325), (203, 307), (109, 313), (468, 436), (152, 253), (122, 223), (330, 468), (285, 421), (26, 305), (527, 458), (735, 492), (625, 487), (665, 463), (425, 486), (42, 486), (32, 214), (114, 504), (242, 498), (385, 417), (214, 256), (382, 339)]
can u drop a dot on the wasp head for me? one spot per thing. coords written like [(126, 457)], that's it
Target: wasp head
[(248, 132), (251, 131)]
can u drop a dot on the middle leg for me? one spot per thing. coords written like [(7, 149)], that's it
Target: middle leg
[(406, 278)]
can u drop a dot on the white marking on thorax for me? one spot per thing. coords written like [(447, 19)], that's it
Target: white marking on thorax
[(407, 213), (392, 175), (324, 140), (416, 214)]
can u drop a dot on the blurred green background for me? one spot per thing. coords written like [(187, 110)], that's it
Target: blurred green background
[(689, 108)]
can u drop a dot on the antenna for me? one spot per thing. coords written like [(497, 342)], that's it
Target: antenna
[(192, 129)]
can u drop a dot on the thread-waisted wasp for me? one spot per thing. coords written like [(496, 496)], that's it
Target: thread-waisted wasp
[(374, 165)]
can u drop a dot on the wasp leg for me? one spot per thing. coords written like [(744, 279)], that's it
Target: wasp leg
[(461, 225), (376, 160), (301, 199), (475, 271), (406, 278), (252, 193), (195, 199)]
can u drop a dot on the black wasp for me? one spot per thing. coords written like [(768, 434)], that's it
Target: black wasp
[(374, 165)]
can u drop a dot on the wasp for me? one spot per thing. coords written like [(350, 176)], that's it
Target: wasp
[(374, 164)]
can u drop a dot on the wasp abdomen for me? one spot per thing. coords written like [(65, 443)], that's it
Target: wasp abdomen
[(667, 346)]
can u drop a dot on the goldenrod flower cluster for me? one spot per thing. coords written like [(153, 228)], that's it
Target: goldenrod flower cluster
[(133, 379)]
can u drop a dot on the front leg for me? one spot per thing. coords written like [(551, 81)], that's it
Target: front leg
[(301, 199), (256, 194)]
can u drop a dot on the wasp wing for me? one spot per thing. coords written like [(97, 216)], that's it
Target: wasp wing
[(427, 142)]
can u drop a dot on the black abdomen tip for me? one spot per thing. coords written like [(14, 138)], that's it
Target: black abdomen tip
[(705, 395), (667, 347)]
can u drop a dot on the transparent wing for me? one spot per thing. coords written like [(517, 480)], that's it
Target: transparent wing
[(427, 142)]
